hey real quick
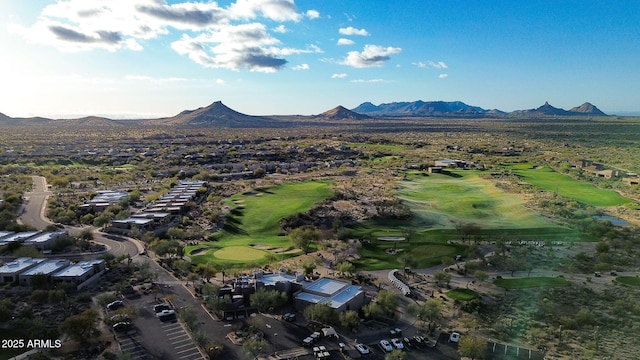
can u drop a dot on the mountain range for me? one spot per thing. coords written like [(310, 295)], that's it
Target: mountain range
[(457, 108), (219, 115)]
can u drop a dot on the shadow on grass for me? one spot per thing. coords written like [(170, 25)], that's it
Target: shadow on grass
[(234, 229)]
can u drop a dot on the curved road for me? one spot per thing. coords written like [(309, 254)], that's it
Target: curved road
[(33, 214)]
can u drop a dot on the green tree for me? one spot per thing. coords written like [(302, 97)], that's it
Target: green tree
[(81, 327), (442, 278), (346, 268), (480, 275), (349, 320), (472, 346), (373, 311), (388, 301), (267, 300), (304, 237), (396, 355), (321, 312), (308, 267), (254, 347)]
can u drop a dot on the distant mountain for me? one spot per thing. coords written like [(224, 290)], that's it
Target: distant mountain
[(214, 115), (341, 113), (548, 110), (418, 108), (89, 121), (587, 109)]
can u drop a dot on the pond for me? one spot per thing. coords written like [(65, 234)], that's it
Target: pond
[(614, 220)]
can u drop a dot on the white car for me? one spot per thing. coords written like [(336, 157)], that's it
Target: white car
[(165, 313), (454, 337), (363, 349), (386, 345), (397, 343)]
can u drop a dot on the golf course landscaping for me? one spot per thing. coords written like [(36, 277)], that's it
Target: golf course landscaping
[(552, 181), (251, 231), (530, 282)]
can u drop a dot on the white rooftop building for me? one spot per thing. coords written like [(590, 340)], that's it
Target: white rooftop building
[(47, 267), (10, 271)]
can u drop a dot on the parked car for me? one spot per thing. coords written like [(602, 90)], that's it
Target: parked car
[(419, 340), (290, 317), (163, 314), (363, 349), (397, 343), (407, 342), (160, 307), (385, 345), (122, 326), (115, 305), (395, 332), (454, 337)]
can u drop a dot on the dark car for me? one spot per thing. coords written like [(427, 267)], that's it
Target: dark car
[(115, 305), (122, 326), (161, 307), (290, 317)]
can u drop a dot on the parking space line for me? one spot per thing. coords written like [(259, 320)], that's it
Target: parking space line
[(183, 351), (181, 346)]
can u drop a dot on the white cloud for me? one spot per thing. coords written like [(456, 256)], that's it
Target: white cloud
[(220, 81), (301, 67), (353, 31), (280, 29), (339, 76), (369, 81), (233, 47), (276, 10), (209, 34), (312, 14), (432, 65), (442, 76), (371, 56), (343, 41)]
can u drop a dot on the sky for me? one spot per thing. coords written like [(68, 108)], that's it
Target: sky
[(154, 58)]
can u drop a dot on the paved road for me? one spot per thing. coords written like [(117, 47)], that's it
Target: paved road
[(35, 205)]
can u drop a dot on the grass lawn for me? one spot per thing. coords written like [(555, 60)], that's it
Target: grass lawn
[(530, 282), (462, 294), (254, 220), (438, 202), (441, 200), (628, 280), (549, 180)]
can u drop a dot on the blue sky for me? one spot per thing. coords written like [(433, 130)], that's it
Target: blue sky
[(151, 58)]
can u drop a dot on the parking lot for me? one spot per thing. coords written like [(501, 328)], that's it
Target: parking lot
[(152, 337)]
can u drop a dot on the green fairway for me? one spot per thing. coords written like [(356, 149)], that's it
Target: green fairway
[(378, 254), (442, 200), (254, 220), (549, 180), (462, 294), (628, 280), (530, 282)]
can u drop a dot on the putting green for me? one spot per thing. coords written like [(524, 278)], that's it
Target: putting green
[(239, 253)]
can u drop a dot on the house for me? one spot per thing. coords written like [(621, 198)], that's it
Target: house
[(44, 240), (10, 271), (340, 295), (448, 163), (47, 268), (17, 237), (81, 273)]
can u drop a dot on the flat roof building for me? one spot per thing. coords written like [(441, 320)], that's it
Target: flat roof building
[(340, 295), (47, 268), (43, 240), (81, 273), (10, 271)]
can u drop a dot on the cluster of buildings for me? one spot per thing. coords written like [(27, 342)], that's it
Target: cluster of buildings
[(22, 270), (600, 170), (104, 199), (160, 212), (339, 295), (37, 239)]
